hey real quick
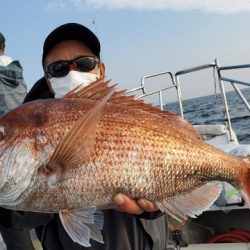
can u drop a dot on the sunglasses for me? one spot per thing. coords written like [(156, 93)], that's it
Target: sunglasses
[(62, 68)]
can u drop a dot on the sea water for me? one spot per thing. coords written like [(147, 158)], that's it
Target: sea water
[(211, 110)]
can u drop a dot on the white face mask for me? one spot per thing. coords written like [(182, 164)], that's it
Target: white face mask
[(62, 85)]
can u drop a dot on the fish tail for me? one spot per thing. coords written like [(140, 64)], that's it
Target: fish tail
[(244, 181)]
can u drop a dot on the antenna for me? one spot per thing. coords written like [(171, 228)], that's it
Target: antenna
[(96, 32)]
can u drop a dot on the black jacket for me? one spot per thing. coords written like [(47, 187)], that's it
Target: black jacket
[(121, 231)]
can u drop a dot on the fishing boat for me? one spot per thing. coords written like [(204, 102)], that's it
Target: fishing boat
[(226, 225)]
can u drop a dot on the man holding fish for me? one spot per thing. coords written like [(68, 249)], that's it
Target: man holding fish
[(71, 58), (78, 154)]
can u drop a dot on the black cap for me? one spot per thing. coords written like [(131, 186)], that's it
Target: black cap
[(2, 39), (71, 31)]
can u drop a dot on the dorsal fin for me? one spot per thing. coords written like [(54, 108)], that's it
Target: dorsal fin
[(99, 89)]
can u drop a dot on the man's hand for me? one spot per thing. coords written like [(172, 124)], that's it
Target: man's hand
[(125, 204)]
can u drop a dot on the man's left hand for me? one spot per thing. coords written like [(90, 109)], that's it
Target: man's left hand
[(126, 204)]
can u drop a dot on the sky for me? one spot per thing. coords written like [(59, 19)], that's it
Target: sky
[(138, 37)]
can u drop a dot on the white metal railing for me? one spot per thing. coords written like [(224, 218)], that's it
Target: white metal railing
[(175, 83), (145, 93), (188, 71)]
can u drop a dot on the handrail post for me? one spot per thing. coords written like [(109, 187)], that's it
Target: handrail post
[(160, 98), (221, 84), (143, 85), (178, 88)]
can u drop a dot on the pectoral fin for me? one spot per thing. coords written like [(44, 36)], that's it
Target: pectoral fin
[(83, 225), (191, 203), (77, 146)]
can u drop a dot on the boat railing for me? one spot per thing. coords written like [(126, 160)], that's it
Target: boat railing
[(215, 66), (234, 82), (222, 80), (175, 83), (160, 91), (188, 71)]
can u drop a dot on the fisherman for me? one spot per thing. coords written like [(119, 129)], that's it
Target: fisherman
[(12, 92), (71, 57)]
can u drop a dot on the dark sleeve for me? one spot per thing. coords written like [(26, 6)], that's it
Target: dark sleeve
[(151, 216), (20, 219), (40, 90)]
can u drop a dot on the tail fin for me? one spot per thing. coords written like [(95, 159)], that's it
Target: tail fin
[(244, 182)]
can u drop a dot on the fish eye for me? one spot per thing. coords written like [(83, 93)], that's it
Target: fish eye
[(2, 133)]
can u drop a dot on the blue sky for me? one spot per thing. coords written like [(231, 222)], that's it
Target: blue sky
[(138, 37)]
